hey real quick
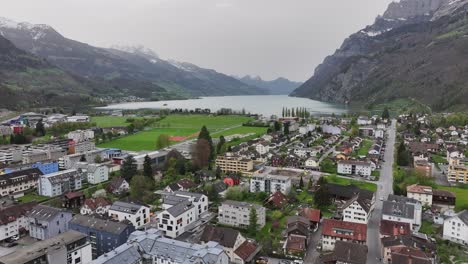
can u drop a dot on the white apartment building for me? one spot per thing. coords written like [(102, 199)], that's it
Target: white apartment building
[(84, 147), (334, 230), (181, 209), (60, 182), (17, 182), (13, 218), (262, 148), (138, 214), (357, 210), (97, 173), (70, 247), (354, 167), (403, 209), (81, 135), (266, 182), (237, 214), (420, 193), (456, 228), (70, 161)]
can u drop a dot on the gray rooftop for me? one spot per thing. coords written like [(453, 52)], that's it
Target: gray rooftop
[(45, 213), (241, 204), (99, 224), (180, 208), (126, 207), (126, 253), (398, 209)]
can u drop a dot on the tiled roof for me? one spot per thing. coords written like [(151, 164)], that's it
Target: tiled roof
[(186, 183), (415, 188), (443, 193), (20, 176), (226, 237), (94, 203), (73, 195), (278, 199), (296, 243), (11, 213), (364, 203), (407, 255), (336, 228), (393, 228), (311, 214), (44, 213), (347, 252), (247, 250)]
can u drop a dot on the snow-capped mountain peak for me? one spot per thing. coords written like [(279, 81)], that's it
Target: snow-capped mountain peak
[(138, 50), (37, 31)]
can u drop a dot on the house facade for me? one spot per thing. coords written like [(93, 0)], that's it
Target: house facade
[(46, 222), (456, 228), (335, 230), (403, 209), (237, 214), (264, 182), (137, 213), (58, 183), (18, 182), (354, 167), (234, 164), (420, 193), (357, 210)]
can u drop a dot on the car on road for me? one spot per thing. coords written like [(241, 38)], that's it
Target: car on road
[(12, 244), (381, 198)]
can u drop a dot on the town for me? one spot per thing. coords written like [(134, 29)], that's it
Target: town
[(224, 187)]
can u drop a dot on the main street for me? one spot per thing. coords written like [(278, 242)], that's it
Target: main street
[(385, 187)]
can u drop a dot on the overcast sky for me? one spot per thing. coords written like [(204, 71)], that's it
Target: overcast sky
[(270, 38)]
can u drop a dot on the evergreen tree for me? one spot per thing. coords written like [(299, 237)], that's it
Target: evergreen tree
[(205, 134), (40, 129), (83, 158), (128, 168), (147, 169), (292, 113), (301, 183), (286, 128), (310, 184), (253, 217), (385, 113), (282, 112), (218, 172), (403, 156), (322, 197), (219, 147), (277, 126)]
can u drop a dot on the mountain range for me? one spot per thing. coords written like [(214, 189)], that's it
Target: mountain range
[(126, 71), (278, 86), (417, 49)]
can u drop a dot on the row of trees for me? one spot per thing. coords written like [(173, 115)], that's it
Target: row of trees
[(295, 112)]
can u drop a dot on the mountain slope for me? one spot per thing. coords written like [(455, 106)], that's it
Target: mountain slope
[(418, 49), (128, 64), (277, 86)]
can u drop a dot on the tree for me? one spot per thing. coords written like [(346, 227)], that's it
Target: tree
[(322, 197), (354, 131), (141, 188), (147, 168), (213, 196), (83, 158), (40, 130), (277, 126), (286, 128), (163, 141), (98, 159), (131, 128), (201, 154), (327, 165), (221, 145), (310, 184), (403, 156), (301, 183), (110, 135), (253, 217), (205, 134), (385, 113), (171, 170), (128, 168), (218, 172)]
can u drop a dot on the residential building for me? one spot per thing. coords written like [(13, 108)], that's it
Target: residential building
[(237, 214), (81, 135), (415, 249), (354, 167), (335, 230), (13, 219), (152, 247), (118, 185), (458, 170), (456, 228), (42, 154), (98, 205), (423, 166), (73, 200), (379, 133), (410, 255), (17, 182), (313, 215), (78, 119), (181, 209), (84, 147), (312, 163), (443, 199), (135, 212), (70, 247), (331, 129), (246, 252), (346, 253), (262, 148), (364, 120), (230, 239), (269, 181), (341, 192), (45, 222), (97, 173), (403, 209), (156, 158), (234, 164), (45, 167), (103, 234), (277, 200), (421, 193), (58, 183), (357, 210)]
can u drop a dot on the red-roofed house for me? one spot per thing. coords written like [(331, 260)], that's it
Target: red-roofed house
[(73, 200), (246, 252), (277, 200), (393, 228), (333, 230), (295, 245), (99, 205), (312, 214), (13, 219)]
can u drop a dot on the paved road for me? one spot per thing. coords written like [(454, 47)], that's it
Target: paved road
[(331, 149), (312, 255), (385, 187)]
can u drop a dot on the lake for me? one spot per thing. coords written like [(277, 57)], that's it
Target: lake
[(266, 105)]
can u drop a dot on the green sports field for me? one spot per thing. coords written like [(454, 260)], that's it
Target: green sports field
[(110, 121), (183, 125)]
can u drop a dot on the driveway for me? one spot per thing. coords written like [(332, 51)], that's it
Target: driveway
[(385, 187), (312, 255)]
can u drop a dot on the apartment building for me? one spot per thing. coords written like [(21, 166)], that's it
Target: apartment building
[(70, 247), (81, 135), (357, 210), (34, 155), (234, 164), (70, 161), (335, 230), (403, 209), (45, 222), (60, 182), (458, 170), (17, 182), (264, 181), (104, 235), (237, 214), (97, 173), (456, 228), (420, 193), (181, 209), (152, 247), (354, 167), (13, 218), (137, 213), (83, 147)]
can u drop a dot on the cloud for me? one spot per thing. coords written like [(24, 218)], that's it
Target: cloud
[(224, 4)]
